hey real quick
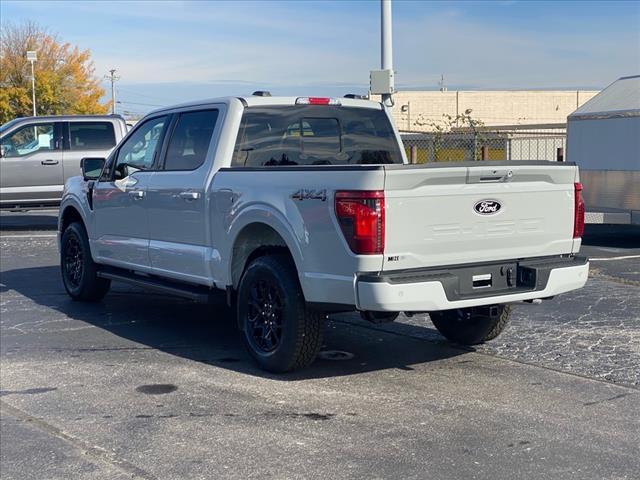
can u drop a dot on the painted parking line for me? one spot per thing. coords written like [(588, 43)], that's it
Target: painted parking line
[(608, 259), (49, 235)]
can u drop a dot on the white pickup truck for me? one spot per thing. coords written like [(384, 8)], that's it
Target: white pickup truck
[(294, 208)]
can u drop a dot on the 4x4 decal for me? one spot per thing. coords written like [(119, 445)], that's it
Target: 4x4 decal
[(305, 194)]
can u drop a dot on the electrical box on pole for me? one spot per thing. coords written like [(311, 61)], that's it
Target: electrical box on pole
[(381, 82)]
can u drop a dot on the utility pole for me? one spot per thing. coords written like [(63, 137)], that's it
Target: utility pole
[(113, 78), (443, 87), (32, 57)]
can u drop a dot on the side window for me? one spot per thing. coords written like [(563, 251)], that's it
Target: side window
[(268, 138), (29, 139), (190, 140), (91, 135), (138, 151)]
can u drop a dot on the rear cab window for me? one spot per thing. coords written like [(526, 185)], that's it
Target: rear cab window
[(91, 135), (315, 135)]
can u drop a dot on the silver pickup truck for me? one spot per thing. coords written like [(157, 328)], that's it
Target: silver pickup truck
[(38, 154), (293, 208)]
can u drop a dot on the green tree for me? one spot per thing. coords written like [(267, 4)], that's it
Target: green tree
[(65, 80)]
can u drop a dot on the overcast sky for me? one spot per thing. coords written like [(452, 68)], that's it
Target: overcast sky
[(173, 51)]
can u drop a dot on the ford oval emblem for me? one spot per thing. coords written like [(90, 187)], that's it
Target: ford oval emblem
[(487, 207)]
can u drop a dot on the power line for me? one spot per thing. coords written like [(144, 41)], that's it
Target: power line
[(138, 103), (151, 97)]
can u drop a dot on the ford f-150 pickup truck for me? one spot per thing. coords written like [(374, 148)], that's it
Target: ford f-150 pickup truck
[(38, 155), (293, 208)]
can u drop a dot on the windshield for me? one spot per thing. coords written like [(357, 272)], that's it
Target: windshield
[(315, 135)]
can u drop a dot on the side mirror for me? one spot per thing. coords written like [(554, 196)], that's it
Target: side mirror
[(92, 167), (2, 152)]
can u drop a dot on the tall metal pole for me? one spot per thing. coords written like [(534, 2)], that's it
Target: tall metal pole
[(113, 95), (386, 43), (33, 89), (112, 77)]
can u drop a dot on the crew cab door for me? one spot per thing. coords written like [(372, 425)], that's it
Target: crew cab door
[(31, 165), (179, 227), (121, 230)]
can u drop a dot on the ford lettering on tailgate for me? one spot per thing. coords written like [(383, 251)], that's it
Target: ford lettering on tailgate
[(487, 207)]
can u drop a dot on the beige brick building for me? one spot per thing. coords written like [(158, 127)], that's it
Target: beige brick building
[(418, 110)]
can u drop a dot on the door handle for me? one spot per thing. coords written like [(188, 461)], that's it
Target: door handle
[(49, 162), (137, 194), (189, 195)]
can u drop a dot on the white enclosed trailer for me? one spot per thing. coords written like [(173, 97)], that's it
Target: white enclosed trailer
[(603, 139)]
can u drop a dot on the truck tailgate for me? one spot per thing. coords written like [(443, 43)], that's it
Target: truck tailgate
[(450, 214)]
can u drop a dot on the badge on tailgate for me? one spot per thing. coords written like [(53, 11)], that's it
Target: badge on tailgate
[(487, 207)]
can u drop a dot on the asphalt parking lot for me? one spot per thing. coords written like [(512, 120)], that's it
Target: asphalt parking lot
[(146, 386)]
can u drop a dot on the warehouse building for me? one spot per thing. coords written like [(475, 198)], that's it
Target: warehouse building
[(421, 111)]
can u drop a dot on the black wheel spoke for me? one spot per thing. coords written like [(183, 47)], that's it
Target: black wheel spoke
[(73, 260), (264, 314), (255, 296), (275, 334), (268, 341)]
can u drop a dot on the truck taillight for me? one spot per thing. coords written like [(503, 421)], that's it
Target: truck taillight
[(361, 218), (578, 211)]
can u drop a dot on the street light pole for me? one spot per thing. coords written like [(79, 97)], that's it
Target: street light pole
[(33, 57), (386, 43), (33, 89)]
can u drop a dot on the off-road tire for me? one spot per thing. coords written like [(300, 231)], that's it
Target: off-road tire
[(301, 328), (379, 317), (80, 275), (470, 326)]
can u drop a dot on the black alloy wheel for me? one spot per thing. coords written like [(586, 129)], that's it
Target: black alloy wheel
[(281, 332), (79, 271), (265, 315), (73, 260)]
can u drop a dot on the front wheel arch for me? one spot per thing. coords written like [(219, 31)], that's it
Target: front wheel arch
[(69, 215)]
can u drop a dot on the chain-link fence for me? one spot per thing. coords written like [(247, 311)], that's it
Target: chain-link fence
[(516, 142)]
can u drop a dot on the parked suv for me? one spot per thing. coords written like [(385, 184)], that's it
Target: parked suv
[(38, 154), (292, 208)]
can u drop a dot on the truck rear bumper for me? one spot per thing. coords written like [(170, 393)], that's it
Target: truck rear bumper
[(445, 289)]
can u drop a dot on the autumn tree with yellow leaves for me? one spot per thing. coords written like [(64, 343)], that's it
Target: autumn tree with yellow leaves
[(65, 80)]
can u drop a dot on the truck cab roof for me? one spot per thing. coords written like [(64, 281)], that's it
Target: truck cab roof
[(257, 101), (59, 118)]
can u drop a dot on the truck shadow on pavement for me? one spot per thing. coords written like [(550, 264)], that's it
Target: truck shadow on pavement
[(204, 333), (18, 221)]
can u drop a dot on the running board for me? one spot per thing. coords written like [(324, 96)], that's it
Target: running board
[(196, 293)]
